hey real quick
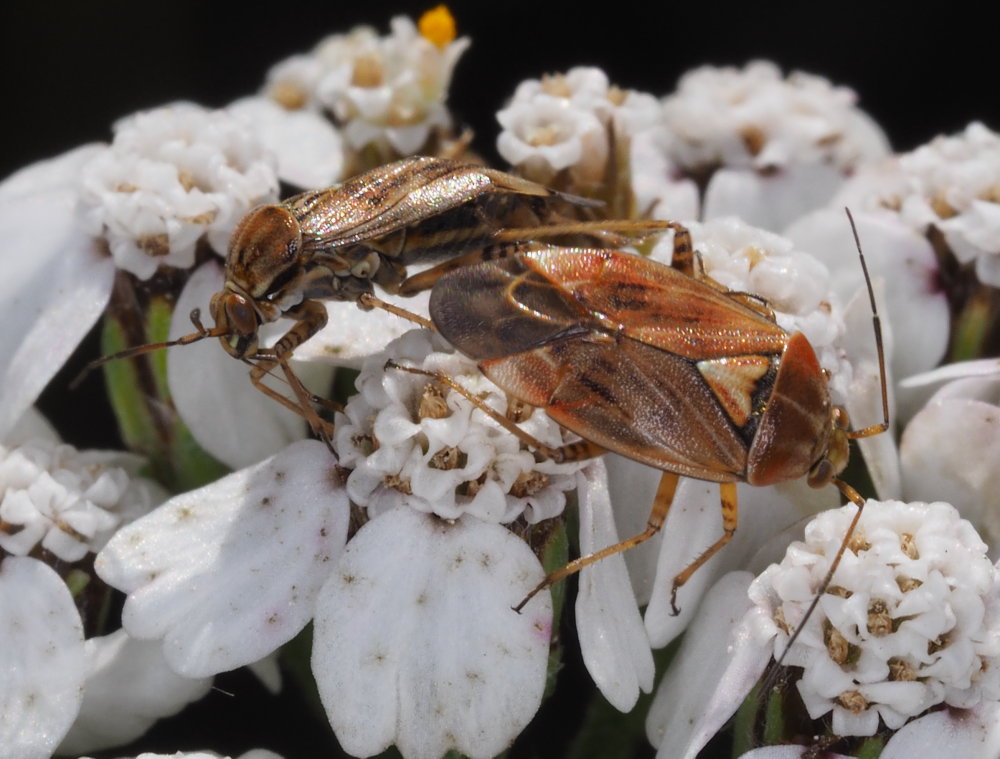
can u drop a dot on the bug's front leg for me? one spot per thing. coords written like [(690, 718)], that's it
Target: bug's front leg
[(310, 316)]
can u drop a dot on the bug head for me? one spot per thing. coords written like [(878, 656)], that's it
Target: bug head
[(236, 321), (263, 257), (836, 451)]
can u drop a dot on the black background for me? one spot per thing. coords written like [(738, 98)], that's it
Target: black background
[(70, 69)]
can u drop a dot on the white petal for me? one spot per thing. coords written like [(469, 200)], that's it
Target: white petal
[(53, 174), (309, 149), (41, 658), (227, 573), (965, 469), (771, 201), (416, 643), (913, 304), (56, 283), (212, 391), (613, 640), (351, 335), (971, 734), (129, 687), (715, 667), (31, 426), (633, 488), (695, 522), (786, 752)]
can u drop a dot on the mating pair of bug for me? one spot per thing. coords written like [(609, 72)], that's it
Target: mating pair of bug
[(650, 361)]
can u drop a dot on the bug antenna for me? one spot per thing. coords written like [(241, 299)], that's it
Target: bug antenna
[(849, 492), (140, 350), (880, 350)]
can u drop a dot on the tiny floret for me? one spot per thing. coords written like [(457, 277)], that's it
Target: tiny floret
[(756, 118), (571, 121), (951, 184), (911, 619), (172, 177), (65, 501), (409, 439), (388, 91)]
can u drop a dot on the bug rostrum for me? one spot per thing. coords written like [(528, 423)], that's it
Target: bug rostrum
[(654, 363), (336, 244)]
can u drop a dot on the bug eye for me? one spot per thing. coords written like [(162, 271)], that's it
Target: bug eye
[(242, 318)]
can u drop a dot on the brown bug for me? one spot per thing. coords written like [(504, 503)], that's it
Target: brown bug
[(334, 244), (650, 362)]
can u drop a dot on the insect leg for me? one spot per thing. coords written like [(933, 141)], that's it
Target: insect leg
[(657, 516), (683, 257), (367, 300), (425, 280), (263, 367), (727, 493), (310, 316)]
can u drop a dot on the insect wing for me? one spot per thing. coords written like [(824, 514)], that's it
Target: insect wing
[(398, 196), (658, 305), (626, 352), (630, 398)]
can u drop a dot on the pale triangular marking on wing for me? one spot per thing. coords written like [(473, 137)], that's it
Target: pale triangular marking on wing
[(734, 381)]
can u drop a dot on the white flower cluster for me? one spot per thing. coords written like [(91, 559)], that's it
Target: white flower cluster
[(911, 619), (792, 283), (171, 177), (951, 183), (755, 117), (570, 121), (380, 89), (410, 441), (66, 501)]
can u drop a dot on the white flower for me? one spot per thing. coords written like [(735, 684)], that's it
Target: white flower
[(42, 658), (571, 121), (409, 443), (910, 620), (422, 594), (64, 501), (56, 500), (384, 89), (128, 688), (950, 184), (169, 178), (549, 134), (308, 148), (755, 118), (951, 447), (770, 147)]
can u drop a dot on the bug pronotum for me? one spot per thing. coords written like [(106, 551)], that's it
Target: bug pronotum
[(656, 364), (335, 244)]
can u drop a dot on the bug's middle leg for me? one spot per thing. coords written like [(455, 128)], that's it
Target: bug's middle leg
[(657, 516), (727, 495)]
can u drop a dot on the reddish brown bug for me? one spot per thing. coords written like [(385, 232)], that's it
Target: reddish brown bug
[(648, 361), (334, 244)]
